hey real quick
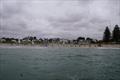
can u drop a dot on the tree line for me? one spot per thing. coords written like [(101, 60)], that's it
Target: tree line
[(108, 37), (113, 36)]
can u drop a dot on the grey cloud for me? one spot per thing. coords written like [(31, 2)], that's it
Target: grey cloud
[(58, 18), (10, 8), (84, 2), (98, 21)]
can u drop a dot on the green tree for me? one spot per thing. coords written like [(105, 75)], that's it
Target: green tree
[(116, 33), (107, 35)]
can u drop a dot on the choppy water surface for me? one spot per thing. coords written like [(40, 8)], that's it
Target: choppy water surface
[(60, 64)]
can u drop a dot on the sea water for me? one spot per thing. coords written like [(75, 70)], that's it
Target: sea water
[(59, 64)]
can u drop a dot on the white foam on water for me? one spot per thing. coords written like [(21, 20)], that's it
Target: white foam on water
[(28, 47), (107, 48)]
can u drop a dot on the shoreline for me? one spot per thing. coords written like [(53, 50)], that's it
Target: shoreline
[(103, 46)]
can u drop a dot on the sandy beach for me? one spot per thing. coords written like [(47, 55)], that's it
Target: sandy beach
[(20, 46), (103, 46)]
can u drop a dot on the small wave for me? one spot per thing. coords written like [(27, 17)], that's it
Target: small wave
[(107, 48), (76, 77), (81, 55), (73, 77), (27, 47)]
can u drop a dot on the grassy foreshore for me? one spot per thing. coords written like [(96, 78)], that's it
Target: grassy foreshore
[(4, 45)]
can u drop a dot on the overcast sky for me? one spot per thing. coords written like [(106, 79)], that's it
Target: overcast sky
[(58, 18)]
